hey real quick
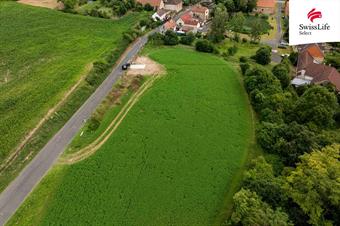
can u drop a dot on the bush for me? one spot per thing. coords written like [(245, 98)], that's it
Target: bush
[(264, 16), (293, 58), (280, 71), (94, 124), (244, 40), (156, 39), (148, 7), (243, 59), (263, 55), (204, 45), (188, 39), (232, 50), (244, 67), (171, 38)]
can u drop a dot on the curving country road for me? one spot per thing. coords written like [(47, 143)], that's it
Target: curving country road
[(19, 189)]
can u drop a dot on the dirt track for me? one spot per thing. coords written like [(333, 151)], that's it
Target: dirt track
[(51, 4), (151, 67)]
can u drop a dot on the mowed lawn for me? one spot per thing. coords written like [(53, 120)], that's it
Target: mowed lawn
[(43, 53), (171, 161)]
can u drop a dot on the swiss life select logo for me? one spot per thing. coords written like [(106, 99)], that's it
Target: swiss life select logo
[(308, 29), (313, 21), (312, 15)]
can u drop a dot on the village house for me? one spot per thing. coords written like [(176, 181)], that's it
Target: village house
[(188, 23), (200, 12), (156, 4), (265, 6), (169, 25), (161, 15), (311, 70), (173, 5)]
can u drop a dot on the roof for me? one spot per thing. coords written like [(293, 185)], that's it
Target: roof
[(266, 3), (154, 3), (199, 9), (187, 28), (307, 54), (171, 24), (323, 73), (172, 2), (161, 12), (189, 20)]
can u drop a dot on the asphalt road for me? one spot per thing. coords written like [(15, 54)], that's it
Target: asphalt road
[(19, 189)]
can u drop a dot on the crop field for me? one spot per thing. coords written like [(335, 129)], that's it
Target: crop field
[(43, 53), (172, 161)]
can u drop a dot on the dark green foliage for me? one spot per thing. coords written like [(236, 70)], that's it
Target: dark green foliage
[(232, 50), (244, 40), (148, 7), (170, 38), (260, 178), (93, 124), (287, 140), (156, 39), (317, 105), (250, 210), (204, 45), (280, 71), (293, 58), (188, 39), (262, 80), (243, 59), (218, 25), (263, 55), (69, 4), (244, 67), (333, 59)]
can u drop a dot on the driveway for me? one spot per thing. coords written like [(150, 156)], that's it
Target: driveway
[(19, 189), (276, 57)]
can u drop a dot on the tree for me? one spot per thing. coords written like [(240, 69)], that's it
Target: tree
[(170, 38), (263, 55), (69, 4), (317, 105), (204, 46), (260, 178), (236, 22), (188, 39), (250, 210), (255, 30), (261, 79), (289, 141), (230, 6), (218, 24), (251, 5), (315, 186), (293, 57), (280, 71)]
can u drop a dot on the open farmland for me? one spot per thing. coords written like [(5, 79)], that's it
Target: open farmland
[(172, 161), (45, 54)]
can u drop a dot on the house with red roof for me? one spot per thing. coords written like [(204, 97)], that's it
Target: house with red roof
[(200, 12), (173, 5), (169, 25), (156, 4), (265, 6), (188, 23), (311, 70)]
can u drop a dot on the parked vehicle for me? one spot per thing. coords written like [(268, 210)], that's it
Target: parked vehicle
[(126, 66)]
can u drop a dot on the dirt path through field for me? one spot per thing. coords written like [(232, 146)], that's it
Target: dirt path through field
[(95, 145), (51, 4)]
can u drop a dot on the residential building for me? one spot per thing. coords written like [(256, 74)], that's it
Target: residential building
[(311, 70), (173, 5), (200, 12), (161, 15), (265, 6), (188, 22), (169, 25), (156, 4)]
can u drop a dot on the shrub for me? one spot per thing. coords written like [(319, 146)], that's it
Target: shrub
[(244, 67), (232, 50), (204, 45), (148, 7), (94, 124), (244, 40), (293, 57), (243, 59), (171, 38), (280, 71), (263, 55), (188, 39), (156, 39)]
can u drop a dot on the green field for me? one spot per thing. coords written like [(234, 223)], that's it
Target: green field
[(43, 53), (172, 161)]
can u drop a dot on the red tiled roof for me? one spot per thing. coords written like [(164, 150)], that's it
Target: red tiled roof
[(315, 51), (199, 9), (266, 3), (172, 2), (171, 24), (154, 3), (189, 20)]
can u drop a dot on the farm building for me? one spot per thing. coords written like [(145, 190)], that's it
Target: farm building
[(173, 5), (265, 6)]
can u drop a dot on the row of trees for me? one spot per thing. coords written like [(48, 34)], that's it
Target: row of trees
[(303, 187)]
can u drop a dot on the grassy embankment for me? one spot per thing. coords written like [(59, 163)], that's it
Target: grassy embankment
[(46, 53), (173, 160)]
